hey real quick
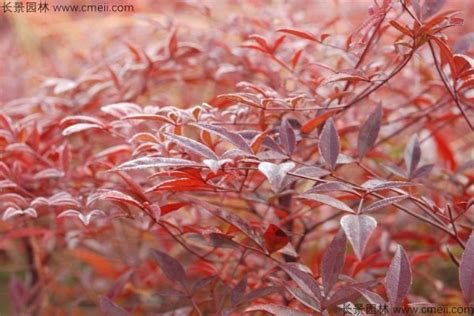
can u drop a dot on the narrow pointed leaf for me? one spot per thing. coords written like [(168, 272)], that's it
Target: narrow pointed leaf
[(384, 202), (369, 131), (156, 162), (287, 137), (412, 155), (329, 145), (398, 278), (171, 267), (466, 271), (333, 261), (304, 280), (328, 200), (229, 136), (193, 146), (110, 308)]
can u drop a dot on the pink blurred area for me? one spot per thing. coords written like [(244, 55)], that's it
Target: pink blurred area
[(35, 46)]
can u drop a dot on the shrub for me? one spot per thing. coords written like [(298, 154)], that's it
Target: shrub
[(276, 159)]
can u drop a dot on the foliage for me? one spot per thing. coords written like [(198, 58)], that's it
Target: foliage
[(266, 160)]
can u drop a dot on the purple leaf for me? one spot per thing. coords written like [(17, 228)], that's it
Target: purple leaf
[(110, 308), (358, 229), (466, 271), (464, 43), (287, 137), (369, 131), (193, 146), (304, 298), (329, 145), (202, 283), (398, 278), (238, 292), (412, 155), (304, 280), (422, 171), (229, 136), (384, 202), (311, 172), (371, 297), (119, 284), (261, 292), (238, 222), (331, 187), (379, 185), (328, 200), (17, 295), (170, 267), (276, 310), (430, 7), (333, 261), (396, 171), (276, 174), (156, 162)]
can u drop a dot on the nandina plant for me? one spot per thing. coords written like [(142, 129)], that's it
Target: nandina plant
[(279, 159)]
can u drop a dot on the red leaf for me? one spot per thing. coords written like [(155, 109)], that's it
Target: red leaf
[(446, 55), (258, 140), (444, 150), (275, 238), (296, 57), (401, 28), (329, 145), (398, 278), (358, 229), (101, 264), (172, 207), (466, 271), (369, 131), (333, 261), (309, 126), (301, 34), (173, 43)]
